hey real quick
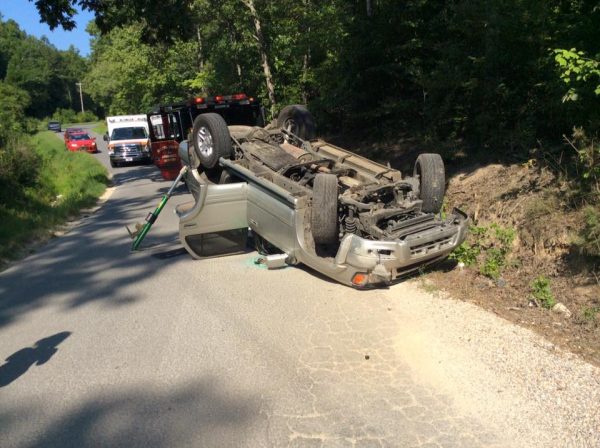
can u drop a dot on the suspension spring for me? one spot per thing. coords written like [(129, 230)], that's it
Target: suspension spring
[(350, 224)]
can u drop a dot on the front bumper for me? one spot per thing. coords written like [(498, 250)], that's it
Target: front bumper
[(372, 263), (119, 158)]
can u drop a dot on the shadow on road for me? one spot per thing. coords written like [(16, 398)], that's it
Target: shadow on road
[(19, 362), (123, 175), (93, 263), (201, 413)]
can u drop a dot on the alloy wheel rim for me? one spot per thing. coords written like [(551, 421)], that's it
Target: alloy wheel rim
[(204, 142)]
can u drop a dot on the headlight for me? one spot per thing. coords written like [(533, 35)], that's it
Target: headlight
[(147, 148), (111, 149)]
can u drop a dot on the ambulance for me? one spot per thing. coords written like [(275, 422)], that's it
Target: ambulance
[(128, 140)]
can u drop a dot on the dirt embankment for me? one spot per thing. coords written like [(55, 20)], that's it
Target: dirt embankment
[(537, 205), (532, 201)]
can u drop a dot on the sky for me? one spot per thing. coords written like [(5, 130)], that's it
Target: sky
[(26, 15)]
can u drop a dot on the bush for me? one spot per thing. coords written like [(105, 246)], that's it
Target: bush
[(41, 185), (492, 243), (589, 238), (70, 116), (466, 254), (18, 169), (587, 162), (542, 293), (12, 112)]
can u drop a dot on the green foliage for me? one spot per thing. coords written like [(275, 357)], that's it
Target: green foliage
[(499, 243), (100, 128), (18, 170), (66, 116), (45, 73), (488, 247), (494, 263), (587, 162), (542, 292), (466, 254), (577, 72), (12, 111), (589, 238), (41, 186), (590, 315)]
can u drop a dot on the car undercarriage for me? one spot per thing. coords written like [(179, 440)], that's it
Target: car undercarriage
[(357, 221)]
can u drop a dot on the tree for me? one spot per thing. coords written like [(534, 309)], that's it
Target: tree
[(12, 113)]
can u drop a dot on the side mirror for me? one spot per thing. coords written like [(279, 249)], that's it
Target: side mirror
[(105, 137)]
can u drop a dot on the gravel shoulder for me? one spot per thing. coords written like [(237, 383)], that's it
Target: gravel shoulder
[(539, 394)]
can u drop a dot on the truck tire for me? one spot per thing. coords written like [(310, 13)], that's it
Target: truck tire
[(227, 178), (298, 120), (432, 177), (211, 139), (324, 219)]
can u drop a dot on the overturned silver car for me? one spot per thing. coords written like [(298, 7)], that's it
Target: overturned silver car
[(307, 201)]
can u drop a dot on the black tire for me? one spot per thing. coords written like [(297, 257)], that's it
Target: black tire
[(113, 164), (211, 139), (324, 219), (227, 178), (432, 177), (298, 120)]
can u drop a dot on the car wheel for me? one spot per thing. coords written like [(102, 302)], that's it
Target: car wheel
[(298, 120), (227, 178), (432, 178), (113, 164), (211, 139), (324, 219)]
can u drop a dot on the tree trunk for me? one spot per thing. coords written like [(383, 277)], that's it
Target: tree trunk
[(306, 58), (369, 8), (200, 49), (263, 52), (236, 58)]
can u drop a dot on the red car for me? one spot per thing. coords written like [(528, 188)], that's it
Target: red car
[(80, 141), (70, 131)]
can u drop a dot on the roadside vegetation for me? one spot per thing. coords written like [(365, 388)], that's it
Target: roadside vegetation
[(42, 185), (100, 128)]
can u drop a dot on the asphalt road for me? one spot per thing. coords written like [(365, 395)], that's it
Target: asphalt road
[(108, 348)]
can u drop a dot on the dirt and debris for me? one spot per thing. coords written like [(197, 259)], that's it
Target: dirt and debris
[(535, 203), (526, 196)]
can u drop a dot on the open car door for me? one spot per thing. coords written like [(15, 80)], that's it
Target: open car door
[(216, 222)]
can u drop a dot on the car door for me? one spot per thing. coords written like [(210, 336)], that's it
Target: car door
[(216, 222)]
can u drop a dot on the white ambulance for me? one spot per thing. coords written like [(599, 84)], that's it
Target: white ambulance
[(128, 139)]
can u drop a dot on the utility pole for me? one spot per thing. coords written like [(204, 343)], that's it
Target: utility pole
[(78, 84)]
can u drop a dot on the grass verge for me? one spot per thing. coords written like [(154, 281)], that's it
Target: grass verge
[(63, 183), (100, 128)]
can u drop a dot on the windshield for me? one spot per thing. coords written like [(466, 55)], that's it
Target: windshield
[(128, 133), (80, 137)]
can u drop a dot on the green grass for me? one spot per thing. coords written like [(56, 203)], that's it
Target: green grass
[(64, 182), (100, 128)]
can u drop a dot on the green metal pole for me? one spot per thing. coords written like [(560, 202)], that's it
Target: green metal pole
[(151, 218)]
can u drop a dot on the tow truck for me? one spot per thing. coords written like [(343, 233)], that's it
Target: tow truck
[(170, 124)]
